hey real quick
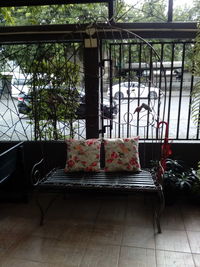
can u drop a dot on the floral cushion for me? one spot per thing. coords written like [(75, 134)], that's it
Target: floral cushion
[(83, 155), (122, 154)]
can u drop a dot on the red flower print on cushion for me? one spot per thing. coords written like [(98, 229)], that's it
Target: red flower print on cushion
[(70, 163), (83, 155), (133, 161), (76, 158), (109, 160), (128, 167), (114, 155), (90, 142), (94, 163), (122, 154)]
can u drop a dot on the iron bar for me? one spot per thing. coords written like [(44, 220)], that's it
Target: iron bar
[(170, 11), (190, 102), (180, 93), (128, 108), (170, 86), (111, 84), (160, 82), (138, 100), (119, 81)]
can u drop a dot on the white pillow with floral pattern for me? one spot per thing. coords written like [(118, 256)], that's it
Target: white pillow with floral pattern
[(122, 154), (83, 155)]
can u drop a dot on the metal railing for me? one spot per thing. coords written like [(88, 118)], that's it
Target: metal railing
[(134, 72), (121, 61)]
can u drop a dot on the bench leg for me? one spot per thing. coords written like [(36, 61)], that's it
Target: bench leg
[(44, 210), (159, 209), (40, 208)]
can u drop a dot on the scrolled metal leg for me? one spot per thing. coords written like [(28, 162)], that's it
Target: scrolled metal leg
[(43, 211), (40, 208), (159, 209)]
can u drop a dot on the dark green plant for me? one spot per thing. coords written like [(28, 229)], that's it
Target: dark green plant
[(178, 176), (196, 186)]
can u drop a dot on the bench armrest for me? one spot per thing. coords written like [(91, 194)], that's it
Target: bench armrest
[(37, 172)]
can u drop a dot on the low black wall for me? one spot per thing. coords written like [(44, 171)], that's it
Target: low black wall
[(54, 154)]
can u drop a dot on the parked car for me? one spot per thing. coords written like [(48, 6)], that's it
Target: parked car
[(19, 84), (24, 107), (134, 89)]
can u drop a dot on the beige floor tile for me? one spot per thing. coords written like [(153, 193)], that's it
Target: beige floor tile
[(194, 240), (72, 209), (8, 240), (49, 251), (87, 231), (107, 234), (112, 211), (100, 255), (191, 217), (84, 210), (59, 209), (78, 233), (171, 218), (139, 214), (13, 262), (23, 210), (196, 258), (173, 241), (132, 257), (139, 237), (50, 229), (174, 259), (73, 254), (17, 225), (2, 252)]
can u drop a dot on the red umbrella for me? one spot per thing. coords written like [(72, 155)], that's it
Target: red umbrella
[(165, 149)]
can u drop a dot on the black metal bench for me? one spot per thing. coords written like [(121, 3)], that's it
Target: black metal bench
[(12, 178), (59, 181)]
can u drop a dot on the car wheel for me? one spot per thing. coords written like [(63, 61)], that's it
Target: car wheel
[(115, 111), (153, 95), (118, 95)]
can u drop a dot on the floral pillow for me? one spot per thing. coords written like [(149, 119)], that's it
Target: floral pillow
[(122, 154), (83, 155)]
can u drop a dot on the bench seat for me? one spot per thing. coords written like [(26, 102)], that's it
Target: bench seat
[(126, 181)]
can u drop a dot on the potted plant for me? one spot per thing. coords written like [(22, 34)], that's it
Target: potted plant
[(178, 179), (195, 190)]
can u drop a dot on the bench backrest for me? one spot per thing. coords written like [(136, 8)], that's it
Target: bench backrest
[(9, 162)]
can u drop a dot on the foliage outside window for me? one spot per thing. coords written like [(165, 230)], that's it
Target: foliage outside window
[(53, 93), (52, 75), (125, 11)]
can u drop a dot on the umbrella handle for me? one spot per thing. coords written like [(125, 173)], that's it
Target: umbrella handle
[(166, 128)]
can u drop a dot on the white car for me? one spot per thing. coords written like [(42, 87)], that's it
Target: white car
[(134, 89), (20, 84)]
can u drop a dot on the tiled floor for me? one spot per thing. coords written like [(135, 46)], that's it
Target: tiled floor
[(99, 231)]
